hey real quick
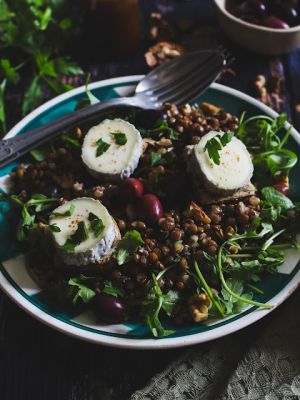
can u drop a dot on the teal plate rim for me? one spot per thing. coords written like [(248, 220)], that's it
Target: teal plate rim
[(222, 328)]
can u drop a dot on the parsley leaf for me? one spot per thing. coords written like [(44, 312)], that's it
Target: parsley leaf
[(96, 224), (156, 159), (102, 147), (79, 236), (84, 292), (276, 198), (113, 290), (38, 155), (214, 145), (127, 246), (67, 213), (120, 138), (70, 140), (54, 228)]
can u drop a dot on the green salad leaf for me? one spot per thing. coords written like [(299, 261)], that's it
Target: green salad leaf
[(130, 242), (83, 291), (80, 235), (120, 138), (67, 213), (214, 145), (96, 224), (102, 147)]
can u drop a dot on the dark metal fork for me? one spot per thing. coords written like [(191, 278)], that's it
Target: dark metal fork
[(177, 81)]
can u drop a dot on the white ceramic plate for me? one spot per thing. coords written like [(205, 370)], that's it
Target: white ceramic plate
[(16, 282)]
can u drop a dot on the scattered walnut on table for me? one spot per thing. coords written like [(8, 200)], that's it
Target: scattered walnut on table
[(161, 52), (269, 90)]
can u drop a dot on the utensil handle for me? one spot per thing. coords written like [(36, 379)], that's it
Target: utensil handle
[(15, 147)]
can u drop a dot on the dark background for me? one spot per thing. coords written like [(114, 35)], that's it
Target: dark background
[(37, 362)]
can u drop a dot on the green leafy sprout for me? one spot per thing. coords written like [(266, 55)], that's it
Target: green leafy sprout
[(214, 146)]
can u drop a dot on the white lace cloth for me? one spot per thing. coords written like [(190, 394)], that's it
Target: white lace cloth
[(258, 363)]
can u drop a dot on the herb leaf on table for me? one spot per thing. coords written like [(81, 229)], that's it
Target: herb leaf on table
[(32, 36)]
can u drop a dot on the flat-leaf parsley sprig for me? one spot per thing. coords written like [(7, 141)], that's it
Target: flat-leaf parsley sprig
[(214, 146)]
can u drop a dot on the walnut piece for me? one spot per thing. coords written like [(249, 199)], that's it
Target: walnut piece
[(161, 52)]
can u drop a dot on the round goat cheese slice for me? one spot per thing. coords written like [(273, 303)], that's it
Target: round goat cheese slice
[(234, 171), (99, 236), (112, 149)]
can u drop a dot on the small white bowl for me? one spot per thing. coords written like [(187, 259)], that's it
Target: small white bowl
[(259, 39)]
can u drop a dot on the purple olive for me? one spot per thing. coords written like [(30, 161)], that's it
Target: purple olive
[(251, 19), (240, 9), (287, 13), (149, 208), (109, 308), (274, 22), (258, 8), (50, 191)]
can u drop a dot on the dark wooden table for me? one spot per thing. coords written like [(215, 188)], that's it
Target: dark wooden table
[(37, 362)]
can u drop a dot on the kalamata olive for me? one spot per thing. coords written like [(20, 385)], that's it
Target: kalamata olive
[(131, 189), (147, 118), (282, 187), (240, 9), (109, 308), (258, 8), (286, 12), (149, 208), (50, 191), (251, 19), (274, 22)]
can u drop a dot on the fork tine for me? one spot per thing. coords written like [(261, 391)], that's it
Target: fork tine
[(193, 89), (192, 83), (196, 74), (170, 85)]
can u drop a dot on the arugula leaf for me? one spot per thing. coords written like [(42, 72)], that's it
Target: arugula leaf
[(84, 292), (54, 228), (232, 304), (96, 224), (102, 147), (80, 235), (40, 202), (276, 198), (113, 290), (170, 299), (154, 304), (127, 246), (162, 127), (120, 138), (265, 137), (156, 159), (214, 145), (38, 155), (67, 213), (69, 139)]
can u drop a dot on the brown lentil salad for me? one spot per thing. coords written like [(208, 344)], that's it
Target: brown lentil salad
[(177, 262)]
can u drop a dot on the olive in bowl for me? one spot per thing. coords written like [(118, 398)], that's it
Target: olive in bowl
[(268, 27)]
